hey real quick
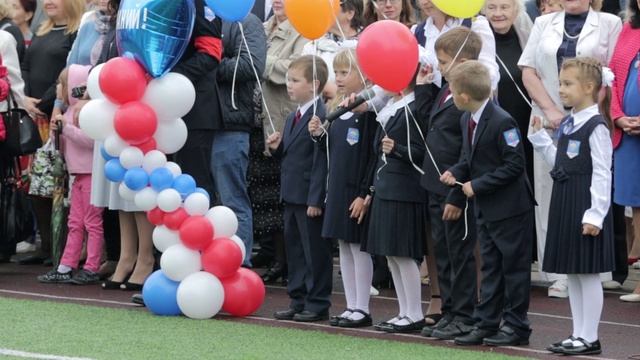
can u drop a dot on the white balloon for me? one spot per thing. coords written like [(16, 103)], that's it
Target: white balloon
[(178, 262), (200, 295), (126, 193), (240, 244), (131, 157), (196, 204), (171, 136), (146, 199), (114, 145), (174, 168), (164, 238), (93, 83), (96, 119), (171, 96), (152, 160), (169, 200), (224, 221)]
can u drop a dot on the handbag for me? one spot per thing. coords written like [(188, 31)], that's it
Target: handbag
[(23, 136), (47, 165), (16, 219)]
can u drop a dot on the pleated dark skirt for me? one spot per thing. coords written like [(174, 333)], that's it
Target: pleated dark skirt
[(567, 251), (396, 229)]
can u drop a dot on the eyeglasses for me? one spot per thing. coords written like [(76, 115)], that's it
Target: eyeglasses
[(383, 2)]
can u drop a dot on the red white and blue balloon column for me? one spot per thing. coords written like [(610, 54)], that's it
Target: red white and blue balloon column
[(136, 110)]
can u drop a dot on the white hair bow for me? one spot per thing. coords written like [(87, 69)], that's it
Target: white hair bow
[(607, 77)]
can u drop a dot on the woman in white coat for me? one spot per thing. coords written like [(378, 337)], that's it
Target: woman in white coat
[(10, 61), (579, 30)]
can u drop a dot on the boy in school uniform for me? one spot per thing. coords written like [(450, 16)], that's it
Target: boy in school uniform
[(302, 189), (454, 254), (492, 171)]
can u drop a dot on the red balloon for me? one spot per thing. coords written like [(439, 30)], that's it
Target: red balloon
[(148, 146), (388, 54), (196, 233), (222, 258), (135, 122), (123, 80), (155, 216), (243, 293), (174, 220)]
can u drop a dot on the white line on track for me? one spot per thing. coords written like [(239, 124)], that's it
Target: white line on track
[(30, 355), (54, 297)]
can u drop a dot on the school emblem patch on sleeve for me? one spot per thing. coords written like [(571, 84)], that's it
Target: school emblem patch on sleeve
[(512, 137)]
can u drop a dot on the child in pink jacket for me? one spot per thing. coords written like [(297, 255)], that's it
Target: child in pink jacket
[(78, 153)]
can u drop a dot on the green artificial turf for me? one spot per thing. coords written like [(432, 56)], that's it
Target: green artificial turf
[(104, 333)]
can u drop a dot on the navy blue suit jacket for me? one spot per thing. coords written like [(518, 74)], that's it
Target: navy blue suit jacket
[(303, 170), (495, 166)]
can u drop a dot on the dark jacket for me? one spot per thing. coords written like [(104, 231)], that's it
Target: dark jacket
[(7, 25), (242, 116), (444, 139), (495, 166), (303, 170), (398, 180)]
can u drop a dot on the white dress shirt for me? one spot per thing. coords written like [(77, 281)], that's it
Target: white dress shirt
[(476, 116), (601, 157), (304, 107), (392, 107)]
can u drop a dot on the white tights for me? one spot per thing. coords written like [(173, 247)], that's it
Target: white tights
[(586, 299), (357, 271), (406, 280)]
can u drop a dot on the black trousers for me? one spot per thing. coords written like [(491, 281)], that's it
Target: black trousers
[(195, 159), (620, 244), (505, 247), (309, 261), (455, 260)]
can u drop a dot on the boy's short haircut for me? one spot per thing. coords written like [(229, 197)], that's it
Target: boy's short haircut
[(305, 63), (454, 39), (471, 78)]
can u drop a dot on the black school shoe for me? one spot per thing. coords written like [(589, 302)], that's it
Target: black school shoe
[(335, 320), (476, 337), (428, 330), (453, 330), (586, 348), (55, 277), (506, 336), (349, 323), (557, 347), (311, 316), (409, 328)]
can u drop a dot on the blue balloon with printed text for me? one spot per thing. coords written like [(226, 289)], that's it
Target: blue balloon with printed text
[(155, 32)]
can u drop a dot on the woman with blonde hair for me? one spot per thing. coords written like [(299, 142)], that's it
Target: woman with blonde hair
[(6, 24), (43, 62)]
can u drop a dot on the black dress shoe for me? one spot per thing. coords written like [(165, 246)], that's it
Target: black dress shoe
[(475, 337), (129, 286), (556, 347), (334, 320), (311, 316), (274, 273), (349, 323), (453, 330), (506, 336), (586, 348), (409, 328), (383, 326), (427, 331), (285, 314), (137, 299), (31, 260)]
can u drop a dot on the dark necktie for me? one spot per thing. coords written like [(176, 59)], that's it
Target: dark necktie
[(444, 97), (567, 126), (472, 127), (296, 119)]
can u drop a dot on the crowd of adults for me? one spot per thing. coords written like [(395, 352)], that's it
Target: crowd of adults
[(225, 150)]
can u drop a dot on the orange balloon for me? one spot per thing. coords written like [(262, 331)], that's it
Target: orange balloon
[(312, 18)]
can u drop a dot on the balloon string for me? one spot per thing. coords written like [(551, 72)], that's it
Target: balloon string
[(258, 80), (315, 77), (235, 73)]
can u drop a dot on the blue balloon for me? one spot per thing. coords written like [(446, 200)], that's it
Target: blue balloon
[(155, 32), (114, 171), (136, 179), (105, 154), (185, 185), (160, 295), (203, 191), (161, 179), (231, 10)]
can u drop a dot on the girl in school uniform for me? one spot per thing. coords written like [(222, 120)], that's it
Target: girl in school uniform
[(349, 144), (398, 212), (580, 234)]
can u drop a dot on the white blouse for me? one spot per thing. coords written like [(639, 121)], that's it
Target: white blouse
[(601, 157)]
